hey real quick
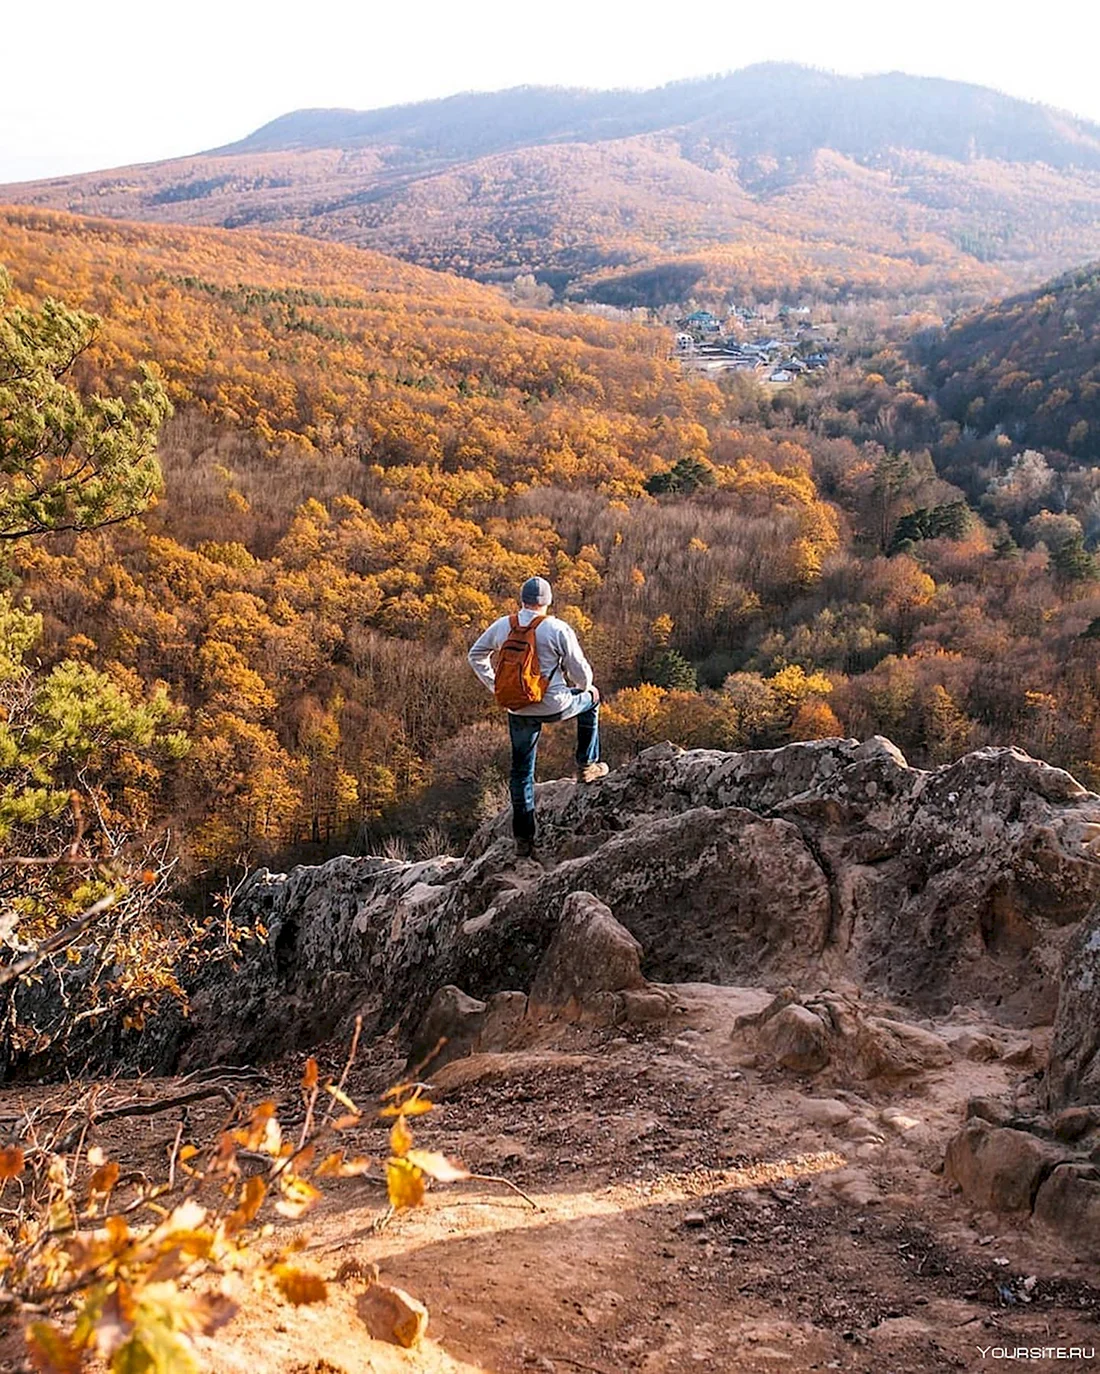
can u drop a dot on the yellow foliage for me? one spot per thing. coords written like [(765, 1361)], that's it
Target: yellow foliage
[(404, 1184), (793, 684), (815, 719)]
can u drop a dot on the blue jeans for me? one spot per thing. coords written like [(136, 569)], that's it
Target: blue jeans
[(525, 731)]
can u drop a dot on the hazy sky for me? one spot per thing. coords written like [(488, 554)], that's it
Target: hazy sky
[(89, 86)]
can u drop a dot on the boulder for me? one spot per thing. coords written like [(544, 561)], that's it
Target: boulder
[(990, 1109), (504, 1017), (1020, 1054), (590, 955), (859, 1128), (852, 1186), (898, 1121), (838, 1029), (999, 1168), (1068, 1202), (1074, 1122), (796, 1038), (390, 1314), (449, 1030), (644, 1005), (971, 1044), (885, 1048), (825, 1111)]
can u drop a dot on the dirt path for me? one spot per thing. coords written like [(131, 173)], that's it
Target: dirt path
[(693, 1215)]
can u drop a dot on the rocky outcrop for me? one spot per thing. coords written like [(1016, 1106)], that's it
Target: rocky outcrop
[(814, 864), (1074, 1071)]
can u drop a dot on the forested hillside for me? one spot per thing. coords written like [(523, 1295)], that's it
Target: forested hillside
[(857, 116), (1028, 367), (365, 461), (775, 181)]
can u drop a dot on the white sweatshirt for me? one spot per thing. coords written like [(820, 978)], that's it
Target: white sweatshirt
[(561, 661)]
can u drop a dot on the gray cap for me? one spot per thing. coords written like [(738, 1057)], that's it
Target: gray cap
[(536, 592)]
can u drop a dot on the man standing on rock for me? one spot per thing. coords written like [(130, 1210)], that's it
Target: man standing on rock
[(534, 666)]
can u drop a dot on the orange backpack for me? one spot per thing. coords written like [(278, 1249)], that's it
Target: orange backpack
[(519, 680)]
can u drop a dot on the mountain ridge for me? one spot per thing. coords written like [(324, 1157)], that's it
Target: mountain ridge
[(626, 105), (775, 182)]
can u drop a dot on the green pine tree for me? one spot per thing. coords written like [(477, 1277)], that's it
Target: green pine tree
[(68, 462), (81, 752), (672, 670), (1071, 562)]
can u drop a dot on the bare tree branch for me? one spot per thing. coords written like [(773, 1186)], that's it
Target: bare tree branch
[(59, 940)]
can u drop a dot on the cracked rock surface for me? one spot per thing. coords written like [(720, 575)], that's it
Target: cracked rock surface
[(816, 864)]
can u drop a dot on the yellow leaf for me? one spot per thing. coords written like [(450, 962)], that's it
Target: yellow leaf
[(88, 1317), (171, 1308), (298, 1196), (118, 1233), (299, 1286), (416, 1106), (225, 1160), (357, 1165), (330, 1166), (96, 1157), (401, 1138), (61, 1215), (336, 1166), (188, 1216), (51, 1352), (104, 1178), (437, 1166), (253, 1136), (213, 1310), (404, 1184), (309, 1076), (153, 1350), (114, 1321), (177, 1253), (342, 1097), (272, 1142), (11, 1162), (342, 1123), (252, 1197)]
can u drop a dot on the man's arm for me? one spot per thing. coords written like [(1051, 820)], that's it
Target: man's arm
[(577, 669), (480, 656)]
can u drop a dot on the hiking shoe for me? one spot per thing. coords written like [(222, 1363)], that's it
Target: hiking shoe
[(525, 849), (591, 771)]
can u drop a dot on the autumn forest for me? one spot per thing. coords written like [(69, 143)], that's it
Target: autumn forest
[(789, 384), (246, 643)]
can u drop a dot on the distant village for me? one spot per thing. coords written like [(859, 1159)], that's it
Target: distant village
[(739, 343)]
